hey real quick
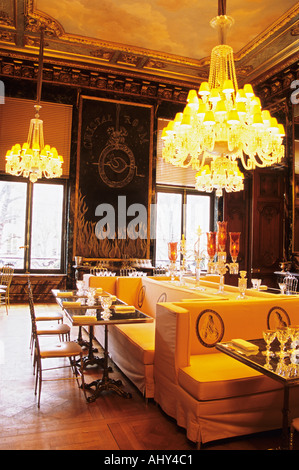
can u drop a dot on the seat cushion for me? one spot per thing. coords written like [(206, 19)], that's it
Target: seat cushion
[(217, 376), (138, 340)]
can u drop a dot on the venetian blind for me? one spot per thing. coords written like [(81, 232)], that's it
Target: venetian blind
[(166, 173), (15, 116)]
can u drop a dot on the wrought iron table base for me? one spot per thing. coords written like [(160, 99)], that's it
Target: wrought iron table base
[(106, 383)]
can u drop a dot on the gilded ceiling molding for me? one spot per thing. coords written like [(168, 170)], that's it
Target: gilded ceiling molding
[(35, 19), (269, 32)]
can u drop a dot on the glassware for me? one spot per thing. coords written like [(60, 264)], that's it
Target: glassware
[(91, 296), (256, 283), (242, 285), (172, 255), (80, 288), (294, 337), (269, 336), (106, 302), (282, 287), (291, 284), (282, 336)]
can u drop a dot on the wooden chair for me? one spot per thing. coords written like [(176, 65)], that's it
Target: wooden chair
[(6, 275), (62, 350), (62, 330)]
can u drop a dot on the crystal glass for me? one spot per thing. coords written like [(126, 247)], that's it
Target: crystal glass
[(106, 302), (294, 337), (91, 296), (80, 287), (256, 283), (282, 287), (282, 335), (269, 336)]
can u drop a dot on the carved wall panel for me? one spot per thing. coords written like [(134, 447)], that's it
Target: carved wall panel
[(267, 224)]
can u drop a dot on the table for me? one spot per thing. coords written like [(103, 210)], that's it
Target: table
[(285, 371), (105, 383)]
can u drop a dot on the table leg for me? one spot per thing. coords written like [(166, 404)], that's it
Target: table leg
[(91, 359), (82, 342), (285, 419), (106, 383)]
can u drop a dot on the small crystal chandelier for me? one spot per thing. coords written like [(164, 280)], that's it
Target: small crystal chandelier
[(222, 173), (34, 159), (222, 121)]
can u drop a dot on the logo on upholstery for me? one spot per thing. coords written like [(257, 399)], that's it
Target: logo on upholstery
[(141, 296), (277, 318), (209, 328), (162, 298)]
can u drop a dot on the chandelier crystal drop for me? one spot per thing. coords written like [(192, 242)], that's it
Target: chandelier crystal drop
[(34, 159), (221, 120)]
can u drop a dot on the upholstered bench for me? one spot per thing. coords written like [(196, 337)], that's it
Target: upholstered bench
[(211, 395), (132, 347)]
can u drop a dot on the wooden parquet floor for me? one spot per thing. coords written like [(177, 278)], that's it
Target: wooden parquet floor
[(65, 421)]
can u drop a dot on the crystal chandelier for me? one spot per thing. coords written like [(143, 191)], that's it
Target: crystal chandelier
[(224, 121), (222, 173), (34, 159)]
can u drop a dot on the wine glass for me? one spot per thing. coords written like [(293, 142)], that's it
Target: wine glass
[(269, 336), (256, 283), (80, 288), (282, 287), (282, 336), (106, 302)]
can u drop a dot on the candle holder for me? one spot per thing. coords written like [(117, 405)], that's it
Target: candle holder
[(234, 248), (211, 249), (183, 252), (242, 285), (172, 255), (221, 236), (199, 256), (221, 266)]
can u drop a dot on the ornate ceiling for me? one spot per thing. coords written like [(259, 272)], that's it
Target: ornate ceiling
[(169, 39)]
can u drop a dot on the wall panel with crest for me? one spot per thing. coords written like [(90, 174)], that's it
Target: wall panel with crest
[(114, 174)]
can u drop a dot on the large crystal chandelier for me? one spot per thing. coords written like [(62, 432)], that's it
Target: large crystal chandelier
[(34, 159), (224, 121)]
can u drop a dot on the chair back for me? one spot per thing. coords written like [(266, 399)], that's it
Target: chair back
[(32, 315), (6, 274)]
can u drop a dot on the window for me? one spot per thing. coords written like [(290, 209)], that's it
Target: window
[(31, 225), (181, 211)]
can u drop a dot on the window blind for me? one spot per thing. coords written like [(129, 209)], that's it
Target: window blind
[(166, 173)]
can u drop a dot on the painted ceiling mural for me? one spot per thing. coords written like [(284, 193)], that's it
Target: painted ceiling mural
[(155, 38), (175, 27)]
